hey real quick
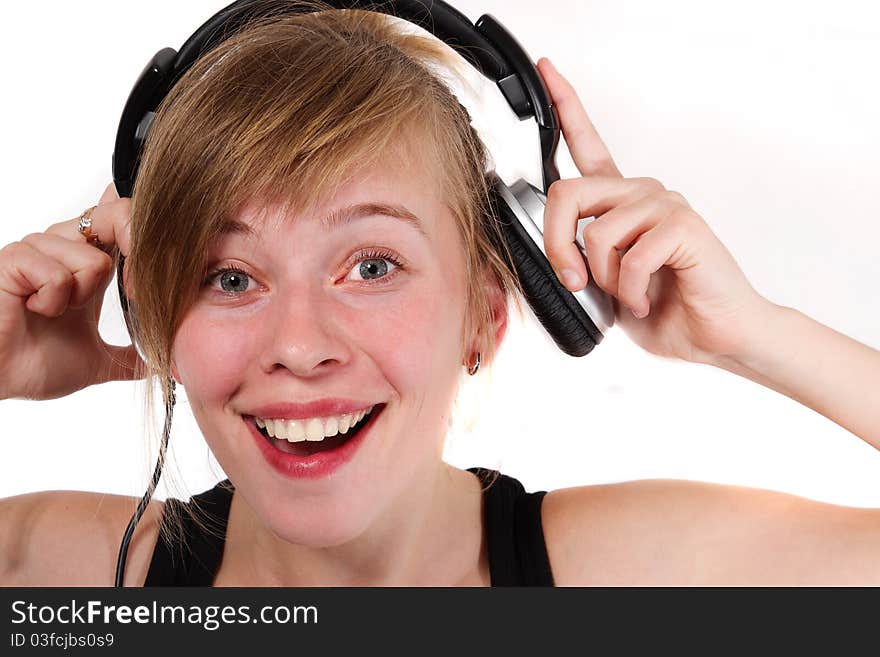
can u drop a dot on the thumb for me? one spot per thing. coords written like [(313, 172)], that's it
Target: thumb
[(109, 194)]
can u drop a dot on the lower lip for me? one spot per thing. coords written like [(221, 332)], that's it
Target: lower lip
[(317, 465)]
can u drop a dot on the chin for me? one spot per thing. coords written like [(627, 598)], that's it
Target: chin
[(312, 524)]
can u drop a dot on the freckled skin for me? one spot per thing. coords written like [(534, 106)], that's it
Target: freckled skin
[(300, 331)]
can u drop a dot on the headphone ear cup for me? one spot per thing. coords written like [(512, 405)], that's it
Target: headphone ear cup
[(553, 304)]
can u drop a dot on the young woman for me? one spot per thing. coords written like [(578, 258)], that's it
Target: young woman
[(308, 239)]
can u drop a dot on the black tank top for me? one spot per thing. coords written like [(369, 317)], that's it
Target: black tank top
[(515, 536)]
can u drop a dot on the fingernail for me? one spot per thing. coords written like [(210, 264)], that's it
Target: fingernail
[(638, 314), (571, 279)]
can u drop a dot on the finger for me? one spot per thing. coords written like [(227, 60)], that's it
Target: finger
[(654, 249), (578, 198), (110, 222), (88, 266), (32, 275), (588, 151), (615, 231)]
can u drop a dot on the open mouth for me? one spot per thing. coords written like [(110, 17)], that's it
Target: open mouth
[(309, 447)]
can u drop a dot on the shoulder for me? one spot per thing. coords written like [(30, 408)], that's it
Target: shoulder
[(667, 532), (71, 538)]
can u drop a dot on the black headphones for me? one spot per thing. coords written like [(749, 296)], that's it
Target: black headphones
[(577, 321)]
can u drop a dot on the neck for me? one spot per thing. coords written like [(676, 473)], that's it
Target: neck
[(432, 536)]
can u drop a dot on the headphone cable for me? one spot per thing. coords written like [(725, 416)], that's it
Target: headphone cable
[(145, 500)]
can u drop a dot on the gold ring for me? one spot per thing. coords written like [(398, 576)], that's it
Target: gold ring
[(85, 229)]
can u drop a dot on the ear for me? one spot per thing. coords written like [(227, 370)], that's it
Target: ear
[(498, 304), (499, 312)]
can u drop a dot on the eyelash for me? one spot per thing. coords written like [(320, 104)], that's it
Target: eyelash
[(365, 254)]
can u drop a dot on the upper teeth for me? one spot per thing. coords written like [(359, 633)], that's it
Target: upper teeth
[(313, 428)]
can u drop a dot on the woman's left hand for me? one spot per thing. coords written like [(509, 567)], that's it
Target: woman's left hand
[(647, 248)]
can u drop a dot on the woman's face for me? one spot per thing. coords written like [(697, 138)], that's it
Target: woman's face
[(313, 318)]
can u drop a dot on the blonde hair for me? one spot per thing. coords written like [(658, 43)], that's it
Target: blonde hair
[(286, 109)]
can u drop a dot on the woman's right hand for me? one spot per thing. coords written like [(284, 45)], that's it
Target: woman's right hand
[(51, 291)]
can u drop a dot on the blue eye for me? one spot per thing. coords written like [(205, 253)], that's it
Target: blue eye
[(373, 263), (235, 278)]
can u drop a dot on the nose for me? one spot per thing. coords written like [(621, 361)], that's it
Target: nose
[(302, 336)]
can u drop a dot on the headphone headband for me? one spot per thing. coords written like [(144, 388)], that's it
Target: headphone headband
[(487, 45)]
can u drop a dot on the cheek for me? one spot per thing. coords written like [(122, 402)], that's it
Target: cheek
[(412, 341), (211, 357)]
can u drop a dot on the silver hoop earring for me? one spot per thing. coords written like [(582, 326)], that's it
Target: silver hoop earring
[(476, 366)]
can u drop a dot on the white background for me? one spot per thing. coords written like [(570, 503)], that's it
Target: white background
[(764, 115)]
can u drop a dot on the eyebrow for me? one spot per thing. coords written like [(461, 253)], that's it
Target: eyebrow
[(341, 217)]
